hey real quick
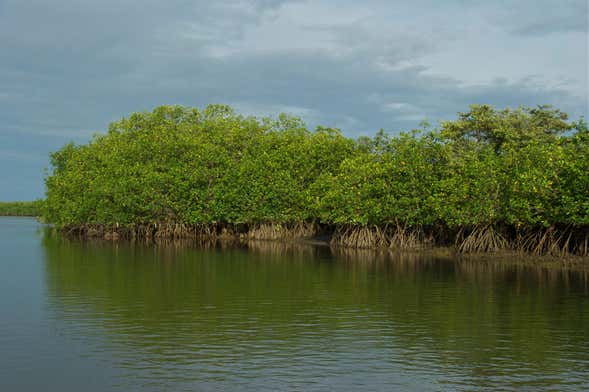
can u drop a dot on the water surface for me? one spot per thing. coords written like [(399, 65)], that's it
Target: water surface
[(122, 317)]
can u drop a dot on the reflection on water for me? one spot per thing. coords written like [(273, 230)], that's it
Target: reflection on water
[(284, 317)]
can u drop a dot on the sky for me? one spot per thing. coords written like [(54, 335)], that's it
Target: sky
[(70, 67)]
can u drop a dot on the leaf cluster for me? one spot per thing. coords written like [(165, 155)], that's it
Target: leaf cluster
[(523, 167)]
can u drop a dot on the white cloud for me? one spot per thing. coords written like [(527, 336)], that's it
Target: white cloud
[(70, 66)]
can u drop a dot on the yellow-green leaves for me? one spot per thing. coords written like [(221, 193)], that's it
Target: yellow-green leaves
[(523, 167)]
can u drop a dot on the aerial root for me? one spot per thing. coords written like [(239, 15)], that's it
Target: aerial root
[(278, 231), (481, 239), (394, 237)]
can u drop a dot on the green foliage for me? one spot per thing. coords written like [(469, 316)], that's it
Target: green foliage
[(21, 208), (390, 182), (484, 125), (182, 164), (523, 167)]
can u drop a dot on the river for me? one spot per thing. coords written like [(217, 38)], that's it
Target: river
[(88, 316)]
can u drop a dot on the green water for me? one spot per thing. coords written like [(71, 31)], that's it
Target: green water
[(99, 317)]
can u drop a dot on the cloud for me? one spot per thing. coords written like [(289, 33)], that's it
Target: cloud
[(19, 156), (544, 17), (72, 66)]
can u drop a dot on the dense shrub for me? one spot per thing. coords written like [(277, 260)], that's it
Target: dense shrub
[(20, 208), (510, 169)]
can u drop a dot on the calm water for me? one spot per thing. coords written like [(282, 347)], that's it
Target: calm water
[(95, 317)]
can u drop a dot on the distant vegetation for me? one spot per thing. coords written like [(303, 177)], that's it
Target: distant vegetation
[(489, 180), (20, 208)]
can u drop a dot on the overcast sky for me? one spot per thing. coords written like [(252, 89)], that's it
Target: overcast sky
[(69, 67)]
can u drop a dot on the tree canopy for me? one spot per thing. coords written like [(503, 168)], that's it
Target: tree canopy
[(525, 167)]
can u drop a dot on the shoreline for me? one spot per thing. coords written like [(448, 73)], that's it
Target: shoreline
[(508, 257), (18, 216), (559, 241)]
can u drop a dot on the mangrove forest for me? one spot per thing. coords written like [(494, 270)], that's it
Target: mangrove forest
[(21, 208), (490, 180)]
